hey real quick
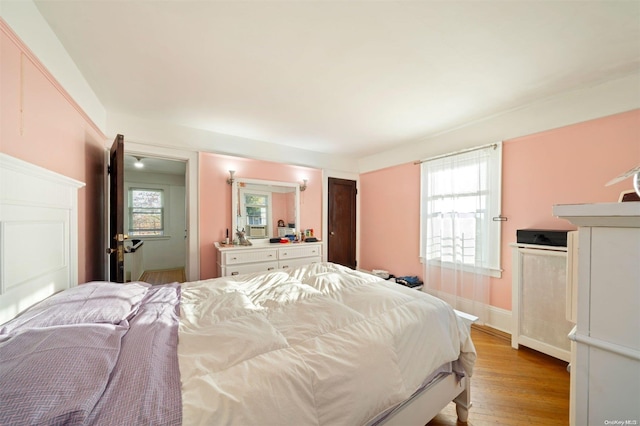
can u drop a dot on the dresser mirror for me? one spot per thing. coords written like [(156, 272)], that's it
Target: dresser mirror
[(265, 209)]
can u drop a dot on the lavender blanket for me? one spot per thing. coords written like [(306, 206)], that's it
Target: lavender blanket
[(145, 385), (96, 373)]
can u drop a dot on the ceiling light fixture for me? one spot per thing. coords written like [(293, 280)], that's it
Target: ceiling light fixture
[(304, 185), (138, 164)]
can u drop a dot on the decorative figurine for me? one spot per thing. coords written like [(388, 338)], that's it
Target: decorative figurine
[(242, 240)]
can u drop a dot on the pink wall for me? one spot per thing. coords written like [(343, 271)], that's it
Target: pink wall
[(560, 166), (215, 197), (569, 165), (41, 124), (390, 220)]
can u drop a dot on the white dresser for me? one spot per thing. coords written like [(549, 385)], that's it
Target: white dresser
[(605, 365), (235, 260)]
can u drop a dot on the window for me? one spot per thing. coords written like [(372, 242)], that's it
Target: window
[(460, 198), (256, 208), (146, 212)]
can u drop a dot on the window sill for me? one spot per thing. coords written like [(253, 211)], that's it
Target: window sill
[(149, 237)]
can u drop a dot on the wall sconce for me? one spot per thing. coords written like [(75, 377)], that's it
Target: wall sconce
[(231, 179), (304, 185), (138, 164)]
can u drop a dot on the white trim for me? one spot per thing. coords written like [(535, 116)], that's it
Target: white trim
[(543, 347), (499, 318), (237, 201), (11, 163)]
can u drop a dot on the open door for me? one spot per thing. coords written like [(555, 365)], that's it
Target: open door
[(116, 211), (342, 222)]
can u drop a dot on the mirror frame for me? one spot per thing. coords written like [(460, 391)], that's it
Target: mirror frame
[(235, 200)]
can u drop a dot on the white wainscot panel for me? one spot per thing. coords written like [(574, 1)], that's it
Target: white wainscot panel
[(31, 250)]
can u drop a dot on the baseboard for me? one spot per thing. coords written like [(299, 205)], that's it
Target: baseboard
[(492, 332), (500, 319)]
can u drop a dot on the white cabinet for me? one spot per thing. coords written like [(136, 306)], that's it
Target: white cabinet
[(539, 299), (235, 260), (605, 370)]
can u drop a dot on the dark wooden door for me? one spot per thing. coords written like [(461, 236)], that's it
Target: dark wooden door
[(342, 222), (116, 211)]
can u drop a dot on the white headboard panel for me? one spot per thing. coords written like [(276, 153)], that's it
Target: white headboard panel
[(38, 234)]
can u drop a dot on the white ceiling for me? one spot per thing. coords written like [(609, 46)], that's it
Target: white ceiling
[(154, 165), (340, 77)]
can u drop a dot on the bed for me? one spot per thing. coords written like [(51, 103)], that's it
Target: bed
[(320, 344)]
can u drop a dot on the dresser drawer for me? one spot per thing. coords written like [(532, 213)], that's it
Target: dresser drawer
[(299, 251), (236, 257), (248, 268), (301, 261)]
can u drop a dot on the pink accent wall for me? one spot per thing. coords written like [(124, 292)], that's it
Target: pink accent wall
[(215, 198), (560, 166), (41, 124)]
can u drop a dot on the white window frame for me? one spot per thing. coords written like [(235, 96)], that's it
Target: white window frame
[(243, 209), (163, 209), (492, 267)]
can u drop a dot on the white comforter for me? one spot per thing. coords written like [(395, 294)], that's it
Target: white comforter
[(318, 345)]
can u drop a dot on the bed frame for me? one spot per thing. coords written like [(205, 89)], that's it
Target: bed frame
[(39, 257), (425, 405), (38, 234), (428, 402)]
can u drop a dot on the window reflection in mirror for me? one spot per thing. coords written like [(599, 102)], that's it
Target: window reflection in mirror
[(265, 209), (256, 210)]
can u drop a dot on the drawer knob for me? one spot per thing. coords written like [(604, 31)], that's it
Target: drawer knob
[(270, 269), (235, 273)]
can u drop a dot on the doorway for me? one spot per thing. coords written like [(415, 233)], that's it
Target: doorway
[(190, 160), (341, 222), (155, 206)]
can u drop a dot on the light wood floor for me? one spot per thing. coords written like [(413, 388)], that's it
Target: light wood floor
[(164, 276), (513, 387)]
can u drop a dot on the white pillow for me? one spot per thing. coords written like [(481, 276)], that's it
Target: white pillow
[(94, 302)]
